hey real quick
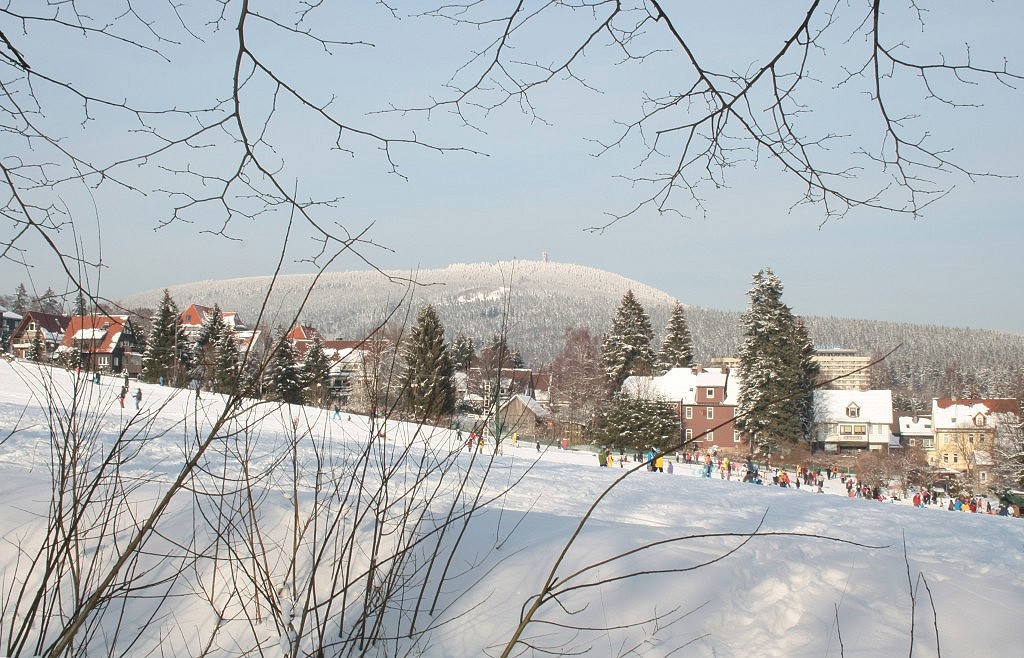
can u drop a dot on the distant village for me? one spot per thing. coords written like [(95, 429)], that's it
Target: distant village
[(955, 440)]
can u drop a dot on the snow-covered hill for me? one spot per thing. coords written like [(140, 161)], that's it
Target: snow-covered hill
[(543, 299), (275, 537)]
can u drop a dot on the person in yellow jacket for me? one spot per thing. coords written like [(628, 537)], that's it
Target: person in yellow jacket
[(659, 463)]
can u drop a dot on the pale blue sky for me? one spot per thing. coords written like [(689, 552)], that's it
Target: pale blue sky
[(538, 188)]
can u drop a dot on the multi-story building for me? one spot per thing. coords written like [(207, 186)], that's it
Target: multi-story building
[(916, 432), (704, 400), (46, 328), (193, 318), (848, 369), (965, 433), (106, 343), (853, 421)]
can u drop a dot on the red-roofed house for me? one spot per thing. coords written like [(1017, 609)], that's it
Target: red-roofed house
[(193, 317), (104, 343)]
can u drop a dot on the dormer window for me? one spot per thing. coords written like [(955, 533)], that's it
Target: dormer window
[(979, 420), (853, 411), (710, 393)]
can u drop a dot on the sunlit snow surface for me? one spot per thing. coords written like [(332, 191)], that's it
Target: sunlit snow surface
[(774, 595)]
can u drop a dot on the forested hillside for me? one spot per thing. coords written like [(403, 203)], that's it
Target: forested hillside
[(543, 299)]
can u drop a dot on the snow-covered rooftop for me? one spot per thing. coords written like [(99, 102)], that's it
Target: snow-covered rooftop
[(951, 414), (871, 406), (682, 384), (90, 333), (915, 425)]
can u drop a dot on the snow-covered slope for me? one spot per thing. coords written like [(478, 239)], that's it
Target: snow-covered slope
[(665, 565), (544, 299)]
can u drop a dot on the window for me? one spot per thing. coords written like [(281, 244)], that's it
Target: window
[(103, 361), (689, 434), (984, 476), (928, 443), (736, 436), (846, 430), (860, 430), (970, 438), (911, 441), (709, 436), (979, 420), (710, 413), (853, 411), (710, 393), (956, 458), (689, 413), (945, 458)]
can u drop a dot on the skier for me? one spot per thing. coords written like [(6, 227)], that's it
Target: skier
[(138, 397)]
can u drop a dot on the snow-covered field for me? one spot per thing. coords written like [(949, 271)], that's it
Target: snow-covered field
[(283, 540)]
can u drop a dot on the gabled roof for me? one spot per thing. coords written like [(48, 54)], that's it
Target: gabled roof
[(948, 413), (536, 408), (195, 315), (96, 334), (304, 332), (681, 384), (873, 406), (52, 325)]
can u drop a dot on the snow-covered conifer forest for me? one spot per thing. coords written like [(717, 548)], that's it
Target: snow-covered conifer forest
[(546, 298)]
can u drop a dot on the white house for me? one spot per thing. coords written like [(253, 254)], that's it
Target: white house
[(917, 432), (851, 421)]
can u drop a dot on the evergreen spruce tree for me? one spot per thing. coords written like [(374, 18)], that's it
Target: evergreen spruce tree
[(677, 348), (316, 369), (227, 369), (50, 303), (204, 349), (284, 375), (426, 377), (637, 422), (21, 300), (463, 353), (164, 344), (627, 347), (776, 396), (79, 308), (37, 348)]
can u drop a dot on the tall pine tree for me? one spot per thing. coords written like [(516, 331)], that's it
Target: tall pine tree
[(204, 349), (316, 369), (427, 373), (283, 380), (677, 348), (635, 422), (463, 352), (627, 347), (227, 370), (21, 300), (777, 374), (164, 344)]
